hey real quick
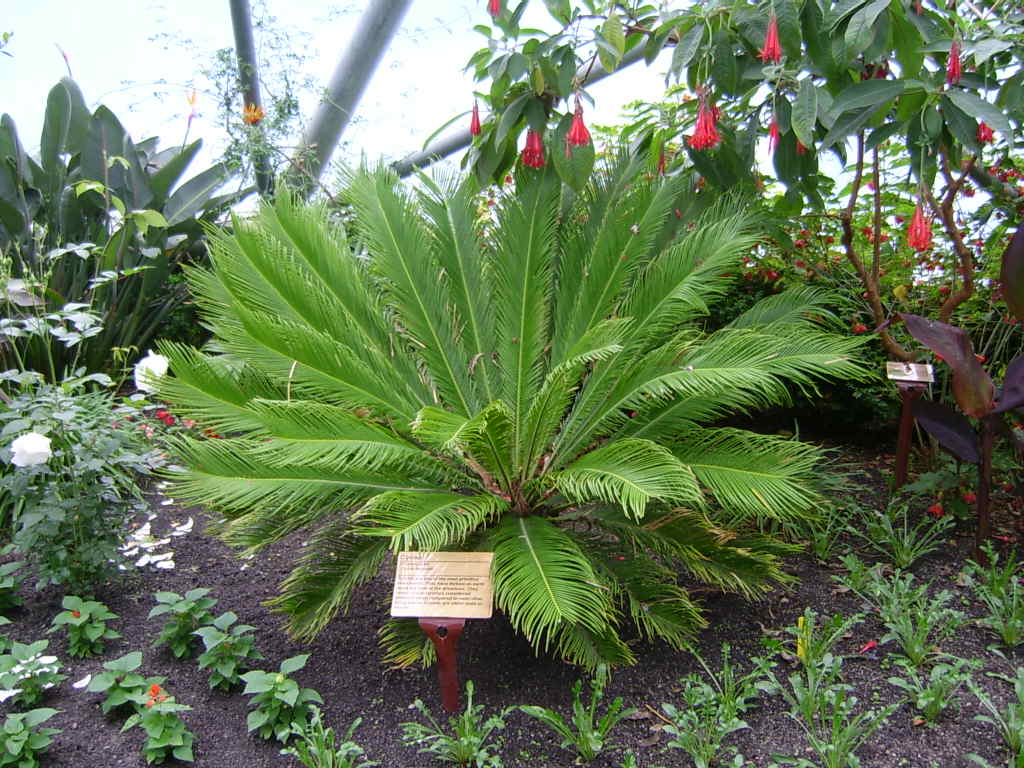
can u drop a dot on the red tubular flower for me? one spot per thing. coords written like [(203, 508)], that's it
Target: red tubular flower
[(705, 135), (773, 134), (474, 121), (953, 68), (533, 152), (578, 135), (919, 233), (985, 133), (494, 8), (771, 51)]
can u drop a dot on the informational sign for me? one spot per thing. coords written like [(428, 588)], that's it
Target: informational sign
[(447, 584), (919, 373)]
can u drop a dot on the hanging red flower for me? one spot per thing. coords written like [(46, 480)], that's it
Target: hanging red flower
[(771, 51), (578, 135), (919, 233), (773, 134), (494, 8), (705, 135), (953, 68), (474, 121), (533, 152), (985, 133)]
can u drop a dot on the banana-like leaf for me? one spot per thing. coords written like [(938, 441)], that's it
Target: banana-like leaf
[(972, 386), (1012, 274), (953, 431), (191, 196), (1012, 395)]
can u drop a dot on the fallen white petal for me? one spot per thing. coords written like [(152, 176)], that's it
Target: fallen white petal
[(5, 695), (165, 565), (82, 683)]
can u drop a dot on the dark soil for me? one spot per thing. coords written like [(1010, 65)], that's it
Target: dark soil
[(345, 667)]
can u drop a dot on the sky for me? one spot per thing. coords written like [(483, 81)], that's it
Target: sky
[(142, 58)]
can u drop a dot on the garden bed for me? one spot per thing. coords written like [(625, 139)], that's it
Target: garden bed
[(345, 667)]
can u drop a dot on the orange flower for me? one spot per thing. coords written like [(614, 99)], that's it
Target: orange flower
[(77, 614), (154, 691), (252, 114)]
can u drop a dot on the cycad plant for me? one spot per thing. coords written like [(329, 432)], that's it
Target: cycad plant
[(527, 379)]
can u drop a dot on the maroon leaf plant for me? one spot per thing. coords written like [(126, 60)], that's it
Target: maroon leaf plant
[(973, 389)]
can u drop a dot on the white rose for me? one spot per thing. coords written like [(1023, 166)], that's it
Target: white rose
[(148, 370), (31, 448)]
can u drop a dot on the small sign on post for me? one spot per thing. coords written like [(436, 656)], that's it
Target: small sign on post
[(912, 379), (442, 590)]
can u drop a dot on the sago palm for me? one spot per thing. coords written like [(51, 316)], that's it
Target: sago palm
[(527, 379)]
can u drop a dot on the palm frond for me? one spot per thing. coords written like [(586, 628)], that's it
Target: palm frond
[(401, 258), (335, 563), (586, 648), (405, 644), (484, 441), (798, 305), (428, 522), (751, 475), (628, 473), (524, 245), (543, 581)]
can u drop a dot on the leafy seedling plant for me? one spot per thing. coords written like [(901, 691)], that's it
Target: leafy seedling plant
[(469, 746), (120, 683), (890, 534), (837, 732), (1009, 722), (933, 693), (586, 734), (166, 735), (809, 688), (917, 622), (5, 642), (10, 580), (712, 711), (317, 747), (22, 740), (86, 624), (187, 614), (1000, 589), (280, 704), (228, 647), (26, 673)]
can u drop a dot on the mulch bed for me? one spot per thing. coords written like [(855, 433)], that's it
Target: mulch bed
[(345, 666)]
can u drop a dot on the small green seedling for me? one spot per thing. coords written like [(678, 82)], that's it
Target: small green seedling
[(228, 647), (22, 740), (188, 614), (280, 704), (166, 735), (26, 673), (120, 683), (471, 743), (317, 746), (10, 580), (86, 623)]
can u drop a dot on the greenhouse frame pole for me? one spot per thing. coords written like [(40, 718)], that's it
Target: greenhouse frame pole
[(378, 25), (447, 145), (249, 79)]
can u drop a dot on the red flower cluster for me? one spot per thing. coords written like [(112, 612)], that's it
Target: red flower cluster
[(771, 51), (156, 696), (705, 135), (858, 328), (985, 133), (474, 121), (953, 66), (936, 510), (166, 417), (919, 233), (969, 497), (533, 152), (578, 135)]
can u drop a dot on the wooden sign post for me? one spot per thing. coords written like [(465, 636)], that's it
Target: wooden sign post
[(442, 590), (912, 379)]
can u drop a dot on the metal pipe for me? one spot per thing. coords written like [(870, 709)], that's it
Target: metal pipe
[(447, 145), (351, 76)]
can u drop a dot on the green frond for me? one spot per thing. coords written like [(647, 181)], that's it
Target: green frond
[(628, 473), (334, 564), (587, 648), (427, 522), (751, 475), (660, 608), (451, 222), (799, 305), (401, 258), (543, 581), (405, 644), (524, 252), (211, 391), (485, 439), (665, 423), (233, 477)]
